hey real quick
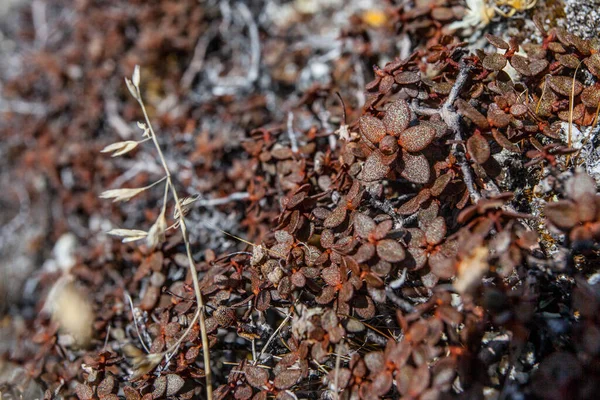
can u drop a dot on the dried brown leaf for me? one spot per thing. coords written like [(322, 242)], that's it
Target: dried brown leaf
[(397, 117), (374, 168), (478, 148), (494, 62), (336, 217), (287, 378), (390, 250), (363, 225), (562, 85), (256, 376), (562, 214), (372, 128), (497, 42), (416, 138), (415, 167)]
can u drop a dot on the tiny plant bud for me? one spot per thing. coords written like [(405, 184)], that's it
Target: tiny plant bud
[(132, 89), (136, 76), (156, 234)]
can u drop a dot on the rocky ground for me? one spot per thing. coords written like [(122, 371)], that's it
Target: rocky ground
[(376, 208)]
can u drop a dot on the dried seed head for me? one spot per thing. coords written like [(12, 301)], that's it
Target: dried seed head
[(135, 78), (144, 364), (121, 194), (71, 310), (156, 234), (186, 204), (131, 88), (120, 148), (128, 235)]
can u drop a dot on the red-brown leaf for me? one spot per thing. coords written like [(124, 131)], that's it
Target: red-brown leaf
[(562, 214), (287, 378), (374, 168), (363, 225), (336, 217), (563, 85), (372, 128), (467, 110), (397, 117), (497, 42), (375, 361), (416, 138), (256, 376), (415, 168), (478, 148), (331, 275), (435, 231), (390, 250)]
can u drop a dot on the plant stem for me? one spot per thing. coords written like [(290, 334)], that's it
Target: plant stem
[(191, 264)]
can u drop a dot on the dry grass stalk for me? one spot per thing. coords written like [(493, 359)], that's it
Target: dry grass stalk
[(156, 235)]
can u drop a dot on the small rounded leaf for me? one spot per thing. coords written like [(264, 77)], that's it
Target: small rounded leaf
[(494, 62), (581, 184), (372, 128), (593, 64), (374, 168), (375, 361), (407, 77), (564, 84), (467, 110), (478, 148), (364, 253), (287, 378), (591, 96), (174, 384), (331, 275), (363, 225), (326, 295), (415, 168), (390, 250), (256, 376), (382, 383), (336, 217), (397, 117), (563, 214), (416, 138), (440, 184), (435, 231), (497, 42), (518, 109), (504, 142)]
